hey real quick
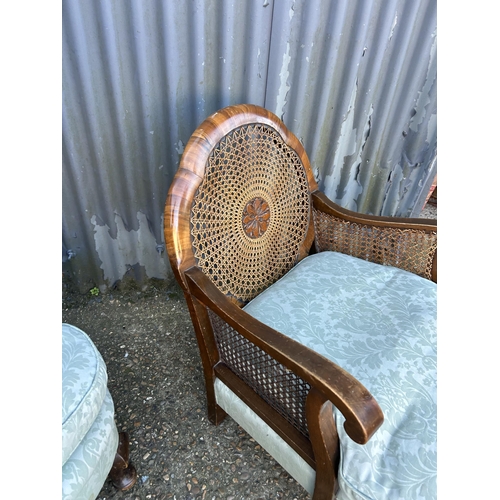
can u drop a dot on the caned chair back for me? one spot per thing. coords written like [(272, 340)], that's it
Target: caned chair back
[(244, 193)]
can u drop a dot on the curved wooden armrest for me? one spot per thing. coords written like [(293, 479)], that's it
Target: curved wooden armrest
[(324, 204), (420, 236), (363, 414)]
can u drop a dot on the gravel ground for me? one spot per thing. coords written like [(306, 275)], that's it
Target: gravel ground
[(148, 343)]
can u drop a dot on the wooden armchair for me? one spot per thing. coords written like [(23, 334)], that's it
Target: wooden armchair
[(313, 322)]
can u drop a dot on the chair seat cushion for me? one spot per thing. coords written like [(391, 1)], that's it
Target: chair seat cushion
[(86, 470), (378, 323), (84, 385)]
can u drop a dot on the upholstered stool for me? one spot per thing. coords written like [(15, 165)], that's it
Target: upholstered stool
[(92, 448)]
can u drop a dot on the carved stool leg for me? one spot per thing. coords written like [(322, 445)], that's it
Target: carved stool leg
[(123, 474)]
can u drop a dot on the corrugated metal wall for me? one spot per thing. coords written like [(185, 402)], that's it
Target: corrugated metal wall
[(354, 80)]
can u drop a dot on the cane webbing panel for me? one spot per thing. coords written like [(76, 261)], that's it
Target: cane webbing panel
[(279, 387), (250, 214), (407, 249)]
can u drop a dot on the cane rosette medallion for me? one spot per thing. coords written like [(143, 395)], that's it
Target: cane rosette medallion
[(251, 212), (256, 217)]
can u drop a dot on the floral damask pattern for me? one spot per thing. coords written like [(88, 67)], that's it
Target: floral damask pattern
[(378, 323), (86, 470), (84, 381), (89, 433)]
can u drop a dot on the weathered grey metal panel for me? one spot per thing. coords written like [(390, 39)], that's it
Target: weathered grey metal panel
[(355, 80)]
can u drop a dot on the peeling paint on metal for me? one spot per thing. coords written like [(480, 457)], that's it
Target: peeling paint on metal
[(180, 147), (284, 86), (346, 146), (423, 96), (138, 78), (431, 128), (128, 249), (393, 25), (354, 185)]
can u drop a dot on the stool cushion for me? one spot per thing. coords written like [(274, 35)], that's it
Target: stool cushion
[(378, 323), (86, 470), (84, 381)]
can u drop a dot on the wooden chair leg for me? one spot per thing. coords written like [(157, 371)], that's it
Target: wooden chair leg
[(123, 474), (209, 355), (325, 443), (215, 413)]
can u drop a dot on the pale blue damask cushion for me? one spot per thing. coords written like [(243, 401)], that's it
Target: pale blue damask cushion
[(84, 382), (86, 470), (378, 323)]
